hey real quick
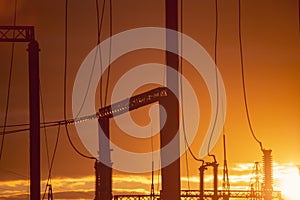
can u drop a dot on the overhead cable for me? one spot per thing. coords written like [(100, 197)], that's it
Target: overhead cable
[(243, 79), (65, 84), (217, 79), (9, 81), (181, 94)]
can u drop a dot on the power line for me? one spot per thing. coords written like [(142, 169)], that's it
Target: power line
[(15, 125), (99, 28), (110, 44), (27, 124), (217, 78), (88, 86), (181, 41), (53, 123), (65, 59), (16, 174), (50, 163), (43, 125), (45, 129), (65, 83), (98, 50), (14, 131), (75, 148), (243, 79), (9, 81), (181, 95), (48, 184), (99, 20)]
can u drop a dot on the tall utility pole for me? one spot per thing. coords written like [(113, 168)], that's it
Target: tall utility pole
[(104, 171), (34, 99), (26, 34), (171, 173), (104, 190)]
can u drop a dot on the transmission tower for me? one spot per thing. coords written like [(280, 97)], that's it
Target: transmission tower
[(256, 182), (225, 184)]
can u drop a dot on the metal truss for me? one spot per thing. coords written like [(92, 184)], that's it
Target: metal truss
[(208, 194), (126, 105), (136, 197), (16, 33), (134, 102)]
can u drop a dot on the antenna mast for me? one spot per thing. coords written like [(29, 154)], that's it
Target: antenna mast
[(225, 184), (152, 182)]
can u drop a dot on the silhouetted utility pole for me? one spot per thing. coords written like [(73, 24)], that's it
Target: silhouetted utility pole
[(26, 34), (171, 173), (104, 171), (33, 49)]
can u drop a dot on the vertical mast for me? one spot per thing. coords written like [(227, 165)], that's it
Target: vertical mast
[(171, 173), (34, 105), (226, 184)]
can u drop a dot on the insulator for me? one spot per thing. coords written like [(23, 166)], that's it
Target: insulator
[(268, 169)]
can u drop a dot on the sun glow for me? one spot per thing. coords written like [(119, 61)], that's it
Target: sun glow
[(287, 180)]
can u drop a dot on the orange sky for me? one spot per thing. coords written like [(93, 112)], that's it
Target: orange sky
[(271, 58)]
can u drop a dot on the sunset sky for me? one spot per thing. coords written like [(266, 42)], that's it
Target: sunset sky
[(271, 48)]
